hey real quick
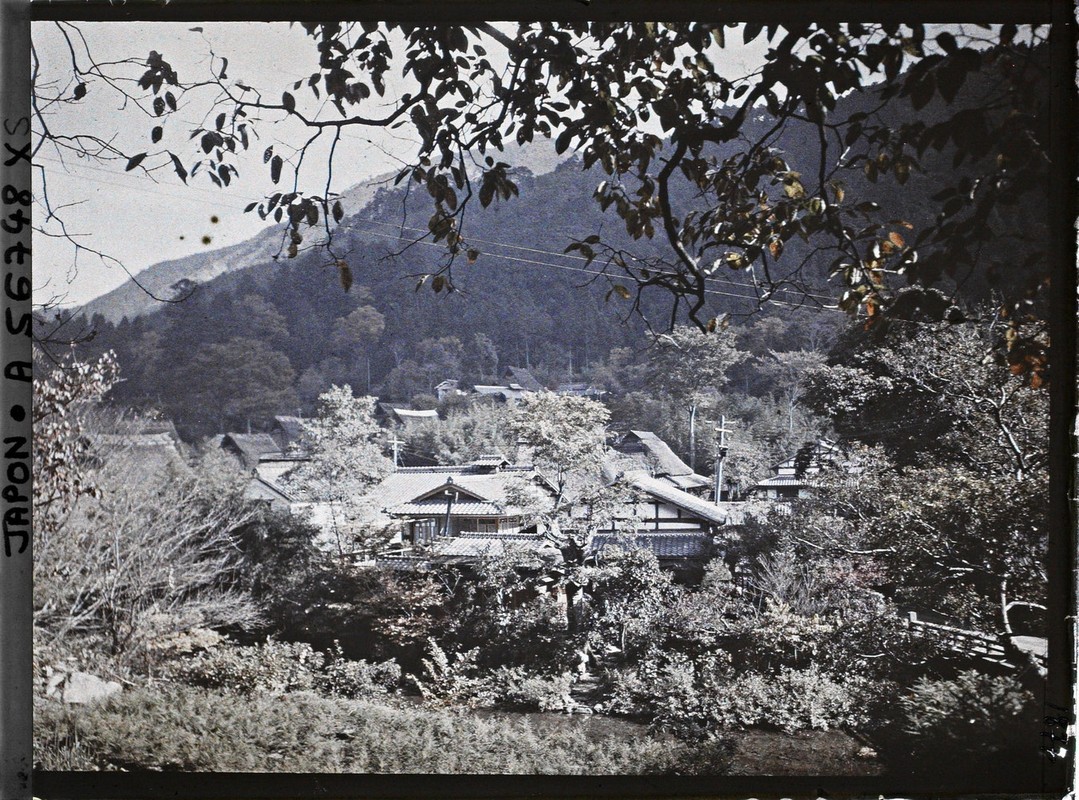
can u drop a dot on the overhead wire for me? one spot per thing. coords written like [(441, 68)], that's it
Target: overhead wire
[(505, 257)]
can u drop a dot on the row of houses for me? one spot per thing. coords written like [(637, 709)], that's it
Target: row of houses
[(516, 384), (470, 511)]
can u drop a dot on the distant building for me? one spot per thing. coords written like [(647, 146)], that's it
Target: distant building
[(793, 478), (517, 384), (580, 390), (470, 501), (653, 455), (249, 448), (448, 388), (504, 394)]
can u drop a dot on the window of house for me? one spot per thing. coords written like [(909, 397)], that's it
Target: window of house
[(423, 531)]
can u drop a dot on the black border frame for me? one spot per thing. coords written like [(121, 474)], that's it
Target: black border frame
[(1062, 550)]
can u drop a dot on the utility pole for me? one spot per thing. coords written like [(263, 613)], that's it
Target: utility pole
[(721, 455), (693, 437), (396, 454)]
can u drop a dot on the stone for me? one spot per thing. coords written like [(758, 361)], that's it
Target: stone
[(79, 687)]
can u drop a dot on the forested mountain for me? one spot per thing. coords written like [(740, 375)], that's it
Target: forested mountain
[(262, 334)]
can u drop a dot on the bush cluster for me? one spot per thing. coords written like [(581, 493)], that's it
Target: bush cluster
[(977, 722), (698, 699), (357, 679), (195, 729), (792, 700), (279, 667), (516, 688)]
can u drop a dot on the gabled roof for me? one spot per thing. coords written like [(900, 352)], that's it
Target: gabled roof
[(250, 447), (657, 454), (689, 503), (287, 430), (414, 490), (488, 460), (149, 452), (450, 486), (823, 450)]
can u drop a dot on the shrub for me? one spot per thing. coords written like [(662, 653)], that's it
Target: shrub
[(514, 687), (176, 727), (792, 700), (972, 720), (698, 700), (357, 679), (672, 690), (273, 667), (451, 679)]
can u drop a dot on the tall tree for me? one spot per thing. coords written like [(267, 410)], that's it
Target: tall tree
[(346, 460), (690, 365), (565, 433)]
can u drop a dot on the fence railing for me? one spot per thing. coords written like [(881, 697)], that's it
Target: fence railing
[(960, 640)]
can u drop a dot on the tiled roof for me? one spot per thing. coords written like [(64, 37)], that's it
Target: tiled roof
[(407, 485), (671, 544), (261, 489), (489, 460), (780, 480), (489, 546), (676, 497), (433, 508)]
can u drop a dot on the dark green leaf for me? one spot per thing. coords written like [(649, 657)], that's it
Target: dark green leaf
[(134, 161), (179, 167)]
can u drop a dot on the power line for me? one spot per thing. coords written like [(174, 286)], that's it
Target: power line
[(570, 256), (591, 273), (517, 259)]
